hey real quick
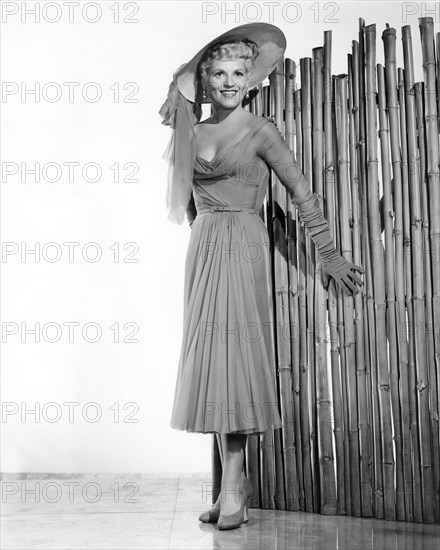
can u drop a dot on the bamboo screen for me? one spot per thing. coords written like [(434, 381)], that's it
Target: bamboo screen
[(358, 376)]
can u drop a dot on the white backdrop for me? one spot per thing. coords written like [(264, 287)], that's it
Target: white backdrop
[(108, 309)]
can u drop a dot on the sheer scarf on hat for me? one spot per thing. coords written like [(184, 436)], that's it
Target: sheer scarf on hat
[(181, 115)]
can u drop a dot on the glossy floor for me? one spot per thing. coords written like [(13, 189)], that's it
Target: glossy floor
[(137, 512)]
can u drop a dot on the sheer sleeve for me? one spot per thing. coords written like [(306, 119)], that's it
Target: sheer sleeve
[(275, 151)]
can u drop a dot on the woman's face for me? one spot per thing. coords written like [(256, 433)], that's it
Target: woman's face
[(226, 83)]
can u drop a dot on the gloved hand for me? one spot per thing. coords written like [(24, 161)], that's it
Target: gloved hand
[(342, 271)]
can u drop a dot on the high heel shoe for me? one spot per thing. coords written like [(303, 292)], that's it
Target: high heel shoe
[(211, 516), (232, 521)]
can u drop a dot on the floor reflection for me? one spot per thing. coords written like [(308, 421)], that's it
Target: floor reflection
[(140, 512), (300, 530)]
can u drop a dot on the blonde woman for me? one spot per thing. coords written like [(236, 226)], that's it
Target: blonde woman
[(218, 176)]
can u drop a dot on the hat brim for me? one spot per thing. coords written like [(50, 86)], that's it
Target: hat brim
[(271, 43)]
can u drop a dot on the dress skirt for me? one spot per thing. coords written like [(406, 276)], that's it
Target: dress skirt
[(226, 379)]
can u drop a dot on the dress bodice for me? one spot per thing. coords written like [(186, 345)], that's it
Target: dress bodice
[(236, 176)]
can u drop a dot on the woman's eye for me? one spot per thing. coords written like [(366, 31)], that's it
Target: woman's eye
[(220, 73)]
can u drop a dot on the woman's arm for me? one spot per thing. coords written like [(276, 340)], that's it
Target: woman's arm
[(272, 148)]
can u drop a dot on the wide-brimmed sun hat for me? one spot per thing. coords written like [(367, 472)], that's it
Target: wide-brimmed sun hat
[(271, 44)]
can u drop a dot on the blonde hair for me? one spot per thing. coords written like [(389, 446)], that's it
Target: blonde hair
[(229, 51)]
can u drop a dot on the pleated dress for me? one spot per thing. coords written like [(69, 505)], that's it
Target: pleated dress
[(226, 375)]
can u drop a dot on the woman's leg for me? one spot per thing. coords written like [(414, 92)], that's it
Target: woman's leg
[(221, 446), (233, 449)]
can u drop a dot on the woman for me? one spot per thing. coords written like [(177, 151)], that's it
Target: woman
[(219, 170)]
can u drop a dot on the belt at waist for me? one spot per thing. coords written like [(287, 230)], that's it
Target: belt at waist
[(213, 209)]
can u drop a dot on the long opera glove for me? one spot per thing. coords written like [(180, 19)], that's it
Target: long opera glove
[(333, 263)]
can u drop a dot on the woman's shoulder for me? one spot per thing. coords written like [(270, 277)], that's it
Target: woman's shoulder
[(268, 137), (268, 131)]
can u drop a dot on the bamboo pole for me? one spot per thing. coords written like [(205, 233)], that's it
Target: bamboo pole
[(306, 363), (378, 271), (299, 319), (265, 111), (253, 450), (431, 421), (307, 100), (345, 406), (432, 240), (338, 305), (361, 368), (267, 470), (253, 468), (437, 47), (418, 277), (298, 127), (409, 403), (290, 463), (329, 183), (267, 451), (279, 202), (389, 40), (340, 97), (327, 490), (281, 281), (370, 336), (390, 290)]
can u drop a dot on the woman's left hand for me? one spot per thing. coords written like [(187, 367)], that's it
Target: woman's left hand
[(344, 275)]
